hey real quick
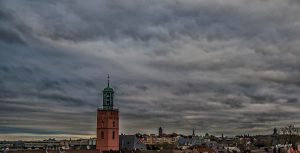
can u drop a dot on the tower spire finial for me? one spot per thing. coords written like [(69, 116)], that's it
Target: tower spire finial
[(107, 80)]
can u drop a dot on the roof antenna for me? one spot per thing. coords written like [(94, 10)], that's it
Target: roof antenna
[(107, 80)]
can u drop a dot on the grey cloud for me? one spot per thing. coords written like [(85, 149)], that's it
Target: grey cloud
[(10, 37), (7, 33), (178, 64)]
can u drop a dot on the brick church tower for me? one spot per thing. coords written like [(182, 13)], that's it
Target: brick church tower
[(107, 122)]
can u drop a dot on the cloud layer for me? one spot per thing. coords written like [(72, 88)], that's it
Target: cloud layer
[(219, 67)]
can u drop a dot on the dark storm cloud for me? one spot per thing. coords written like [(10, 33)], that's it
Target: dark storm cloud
[(8, 34), (181, 64), (12, 130)]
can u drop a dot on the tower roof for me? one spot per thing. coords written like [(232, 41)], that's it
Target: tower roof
[(108, 89)]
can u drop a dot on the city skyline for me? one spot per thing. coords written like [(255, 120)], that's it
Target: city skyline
[(217, 67)]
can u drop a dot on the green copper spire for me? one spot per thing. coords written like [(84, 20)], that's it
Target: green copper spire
[(108, 96)]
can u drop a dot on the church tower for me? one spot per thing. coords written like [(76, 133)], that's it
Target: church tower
[(160, 132), (107, 122)]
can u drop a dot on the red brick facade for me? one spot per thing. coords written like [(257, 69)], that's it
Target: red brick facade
[(107, 130)]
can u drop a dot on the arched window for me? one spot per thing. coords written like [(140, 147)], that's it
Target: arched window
[(113, 135), (102, 134)]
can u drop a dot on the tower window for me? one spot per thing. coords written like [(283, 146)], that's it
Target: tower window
[(102, 135), (114, 124), (113, 135)]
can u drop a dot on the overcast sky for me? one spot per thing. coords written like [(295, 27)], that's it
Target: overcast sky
[(219, 66)]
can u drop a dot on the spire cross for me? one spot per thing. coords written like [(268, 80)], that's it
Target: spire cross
[(107, 80)]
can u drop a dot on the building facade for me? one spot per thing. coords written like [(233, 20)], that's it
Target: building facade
[(153, 139), (107, 122), (131, 142)]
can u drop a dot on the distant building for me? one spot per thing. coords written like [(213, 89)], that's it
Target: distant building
[(193, 132), (131, 142), (190, 141), (12, 144), (107, 122), (50, 144), (78, 144), (160, 132), (154, 139)]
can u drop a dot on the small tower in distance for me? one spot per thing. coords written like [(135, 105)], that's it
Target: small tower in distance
[(160, 132), (275, 137), (107, 122), (193, 132)]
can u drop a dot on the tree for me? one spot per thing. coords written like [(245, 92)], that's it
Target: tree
[(289, 133)]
